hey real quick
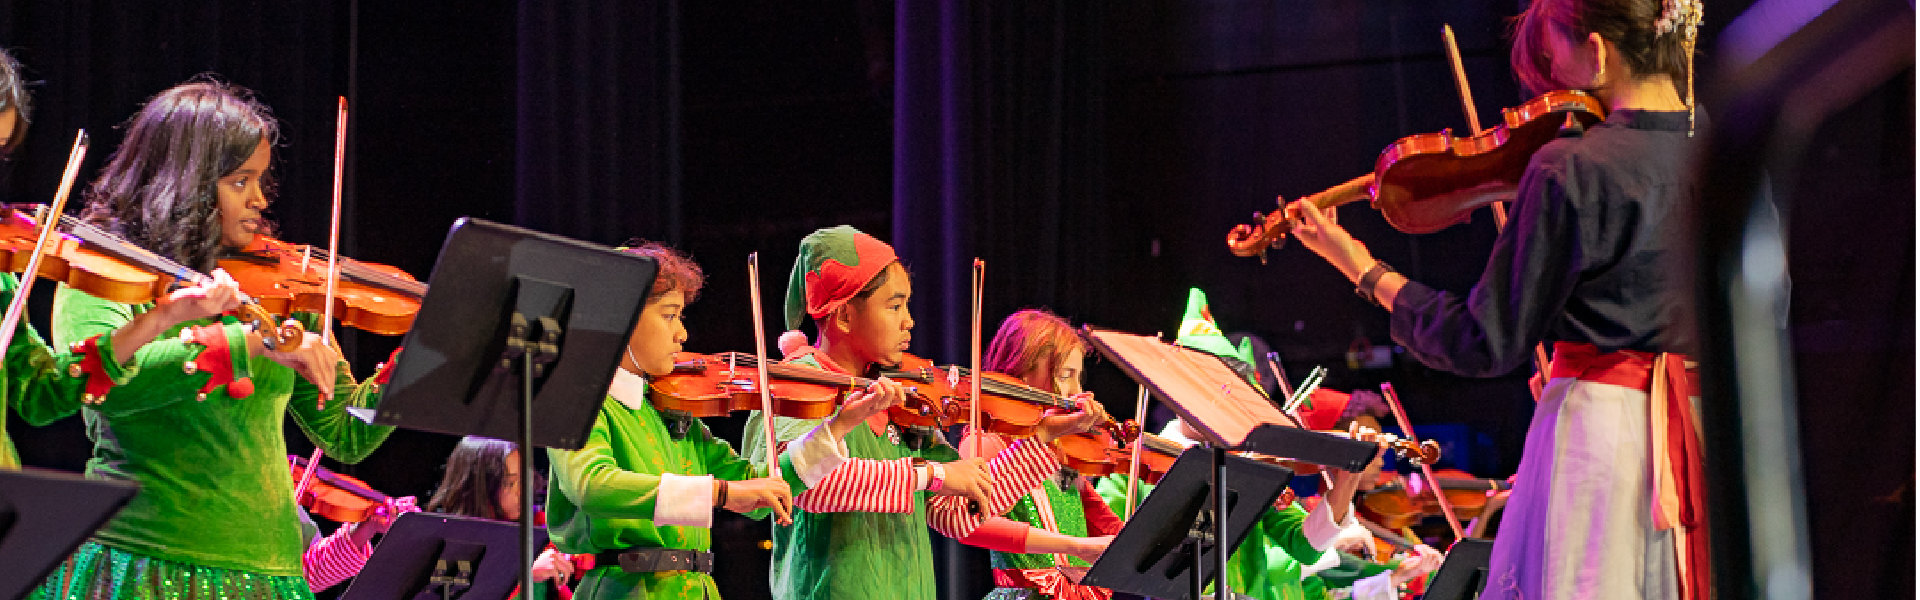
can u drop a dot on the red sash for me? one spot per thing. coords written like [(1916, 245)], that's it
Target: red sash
[(1050, 582), (1679, 498)]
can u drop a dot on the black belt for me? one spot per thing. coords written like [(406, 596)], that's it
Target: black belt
[(652, 560)]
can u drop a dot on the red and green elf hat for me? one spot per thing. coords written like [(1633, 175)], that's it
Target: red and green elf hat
[(833, 265)]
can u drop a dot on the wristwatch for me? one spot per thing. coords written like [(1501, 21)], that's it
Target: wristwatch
[(936, 475)]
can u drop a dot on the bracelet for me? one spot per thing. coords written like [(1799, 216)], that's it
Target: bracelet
[(1368, 279), (720, 497)]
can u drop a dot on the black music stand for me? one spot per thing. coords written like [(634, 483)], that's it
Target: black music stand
[(44, 515), (427, 556), (1168, 549), (1229, 413), (1464, 573), (517, 320)]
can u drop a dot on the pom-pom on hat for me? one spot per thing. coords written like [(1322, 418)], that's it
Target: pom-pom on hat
[(834, 263)]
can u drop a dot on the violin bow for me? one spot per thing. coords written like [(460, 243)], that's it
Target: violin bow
[(1289, 409), (1406, 425), (973, 393), (333, 235), (1499, 208), (1133, 464), (306, 478), (760, 363), (17, 308)]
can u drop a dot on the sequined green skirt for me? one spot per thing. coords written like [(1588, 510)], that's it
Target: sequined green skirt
[(97, 572)]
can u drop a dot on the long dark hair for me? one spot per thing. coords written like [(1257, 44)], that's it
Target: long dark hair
[(13, 94), (1629, 24), (476, 470), (158, 189)]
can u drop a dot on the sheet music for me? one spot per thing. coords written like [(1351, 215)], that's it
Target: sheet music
[(1208, 395)]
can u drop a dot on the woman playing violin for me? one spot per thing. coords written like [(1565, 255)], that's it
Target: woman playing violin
[(1606, 495), (197, 419), (38, 381), (1061, 523), (855, 291), (642, 488)]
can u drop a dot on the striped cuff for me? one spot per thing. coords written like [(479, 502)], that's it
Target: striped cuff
[(816, 454), (684, 501), (334, 559)]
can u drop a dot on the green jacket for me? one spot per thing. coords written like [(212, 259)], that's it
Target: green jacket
[(603, 496), (215, 488), (34, 378), (1267, 564)]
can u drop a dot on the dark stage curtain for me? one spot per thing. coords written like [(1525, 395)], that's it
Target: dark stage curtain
[(598, 122), (996, 119)]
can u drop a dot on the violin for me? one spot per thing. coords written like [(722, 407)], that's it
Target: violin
[(1156, 456), (1393, 506), (337, 497), (1011, 407), (289, 278), (89, 259), (1417, 183), (713, 385)]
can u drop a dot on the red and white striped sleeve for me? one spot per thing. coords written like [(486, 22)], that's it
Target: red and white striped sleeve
[(1016, 471), (334, 559), (863, 485)]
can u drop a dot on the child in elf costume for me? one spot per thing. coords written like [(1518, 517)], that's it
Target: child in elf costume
[(860, 528), (1043, 546), (639, 496)]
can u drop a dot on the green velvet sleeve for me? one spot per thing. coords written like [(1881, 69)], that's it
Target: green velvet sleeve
[(160, 378), (345, 437), (1284, 527), (592, 479)]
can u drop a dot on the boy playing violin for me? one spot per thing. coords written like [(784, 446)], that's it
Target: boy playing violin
[(855, 290), (643, 489)]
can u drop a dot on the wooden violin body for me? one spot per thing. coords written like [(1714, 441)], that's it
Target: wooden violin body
[(1391, 505), (718, 384), (1424, 183), (289, 278), (337, 497), (68, 261)]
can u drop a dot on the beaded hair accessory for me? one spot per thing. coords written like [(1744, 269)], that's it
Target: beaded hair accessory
[(1682, 17)]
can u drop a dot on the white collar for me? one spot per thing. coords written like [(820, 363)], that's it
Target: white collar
[(629, 389)]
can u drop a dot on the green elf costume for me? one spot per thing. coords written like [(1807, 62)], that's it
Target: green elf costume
[(1065, 504), (42, 385), (860, 529), (197, 423), (644, 482)]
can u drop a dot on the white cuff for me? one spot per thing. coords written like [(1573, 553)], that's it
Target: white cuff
[(1327, 560), (1320, 529), (684, 500), (1377, 587), (816, 454)]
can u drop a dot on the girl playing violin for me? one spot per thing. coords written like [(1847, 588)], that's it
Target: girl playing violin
[(642, 489), (196, 419), (483, 479), (1607, 501), (39, 382), (858, 530), (1061, 523)]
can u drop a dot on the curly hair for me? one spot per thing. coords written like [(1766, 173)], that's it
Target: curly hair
[(1629, 24), (158, 188), (13, 94), (676, 270)]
